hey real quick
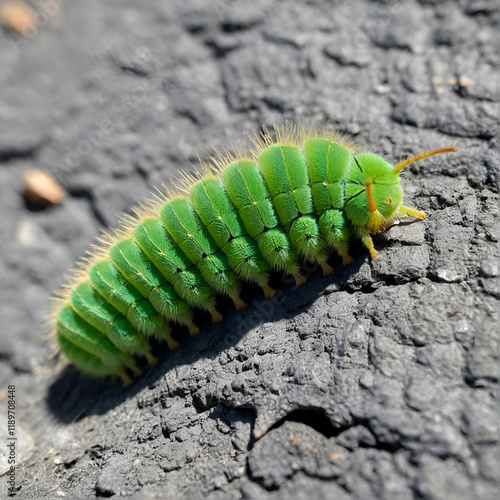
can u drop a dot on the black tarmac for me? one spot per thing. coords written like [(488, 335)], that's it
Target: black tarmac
[(380, 381)]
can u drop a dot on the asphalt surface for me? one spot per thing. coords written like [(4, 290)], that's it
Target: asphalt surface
[(380, 381)]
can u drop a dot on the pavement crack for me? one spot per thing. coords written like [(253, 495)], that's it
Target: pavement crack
[(312, 417)]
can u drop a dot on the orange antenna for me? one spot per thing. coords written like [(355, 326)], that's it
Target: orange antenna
[(403, 164), (371, 202)]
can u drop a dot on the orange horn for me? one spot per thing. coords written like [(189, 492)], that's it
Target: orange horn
[(421, 156)]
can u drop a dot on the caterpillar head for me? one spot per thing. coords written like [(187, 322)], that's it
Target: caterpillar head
[(373, 194)]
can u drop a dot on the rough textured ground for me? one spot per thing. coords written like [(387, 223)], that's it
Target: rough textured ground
[(381, 381)]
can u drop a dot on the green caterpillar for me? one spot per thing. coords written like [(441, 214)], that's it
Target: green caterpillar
[(246, 214)]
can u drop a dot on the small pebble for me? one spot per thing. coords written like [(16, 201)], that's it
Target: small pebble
[(41, 188)]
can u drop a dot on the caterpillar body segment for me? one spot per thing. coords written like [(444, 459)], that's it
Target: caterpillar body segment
[(285, 172), (220, 217), (135, 266), (184, 224), (93, 364), (93, 308), (250, 194), (83, 335), (115, 289), (172, 262), (328, 165), (244, 216)]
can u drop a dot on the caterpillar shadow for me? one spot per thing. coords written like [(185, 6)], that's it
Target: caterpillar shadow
[(75, 395)]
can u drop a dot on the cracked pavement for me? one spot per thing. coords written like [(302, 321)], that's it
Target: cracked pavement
[(380, 381)]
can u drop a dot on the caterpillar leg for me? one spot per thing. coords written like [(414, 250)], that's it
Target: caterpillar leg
[(171, 342), (299, 279), (411, 211), (152, 360), (126, 380), (346, 258), (216, 315), (137, 371), (334, 229), (368, 242), (193, 329), (342, 250), (327, 269), (268, 291), (238, 302)]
